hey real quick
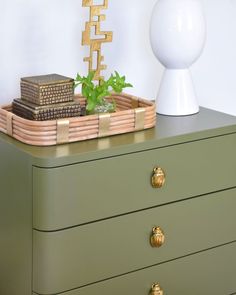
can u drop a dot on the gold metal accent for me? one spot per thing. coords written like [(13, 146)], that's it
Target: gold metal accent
[(9, 123), (158, 177), (157, 237), (104, 124), (95, 44), (139, 118), (47, 89), (156, 289), (32, 111), (62, 131), (44, 80)]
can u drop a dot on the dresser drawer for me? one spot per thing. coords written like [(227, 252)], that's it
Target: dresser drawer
[(78, 256), (72, 195), (209, 272)]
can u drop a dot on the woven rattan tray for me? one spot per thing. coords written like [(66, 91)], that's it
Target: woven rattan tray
[(132, 114)]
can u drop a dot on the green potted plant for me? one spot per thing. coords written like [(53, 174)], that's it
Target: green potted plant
[(96, 94)]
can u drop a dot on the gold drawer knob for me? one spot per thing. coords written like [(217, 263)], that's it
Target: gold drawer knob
[(157, 237), (156, 290), (158, 177)]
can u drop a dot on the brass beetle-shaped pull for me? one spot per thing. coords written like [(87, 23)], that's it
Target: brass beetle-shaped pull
[(157, 237), (156, 290), (158, 177)]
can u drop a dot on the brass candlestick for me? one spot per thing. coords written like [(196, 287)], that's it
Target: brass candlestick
[(95, 59)]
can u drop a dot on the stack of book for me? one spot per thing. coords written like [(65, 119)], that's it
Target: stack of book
[(46, 97)]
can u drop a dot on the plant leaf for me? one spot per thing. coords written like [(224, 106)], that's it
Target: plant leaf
[(95, 93)]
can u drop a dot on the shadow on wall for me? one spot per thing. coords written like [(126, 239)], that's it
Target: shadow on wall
[(131, 52), (213, 74), (44, 36), (39, 37)]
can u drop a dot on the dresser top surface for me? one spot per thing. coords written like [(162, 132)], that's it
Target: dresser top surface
[(168, 131)]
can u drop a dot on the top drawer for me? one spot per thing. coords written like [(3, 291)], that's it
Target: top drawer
[(84, 192)]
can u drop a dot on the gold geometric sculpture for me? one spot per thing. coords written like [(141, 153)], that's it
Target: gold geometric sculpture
[(95, 42)]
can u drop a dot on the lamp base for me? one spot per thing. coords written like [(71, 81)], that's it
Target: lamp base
[(176, 95)]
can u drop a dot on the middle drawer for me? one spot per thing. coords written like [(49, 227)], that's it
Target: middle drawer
[(71, 258), (80, 193)]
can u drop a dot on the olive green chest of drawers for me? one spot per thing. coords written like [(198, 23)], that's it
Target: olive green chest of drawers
[(95, 217)]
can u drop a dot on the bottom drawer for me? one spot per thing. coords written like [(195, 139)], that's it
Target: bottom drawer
[(209, 272)]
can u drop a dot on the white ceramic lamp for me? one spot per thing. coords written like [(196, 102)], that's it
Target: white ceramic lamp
[(177, 34)]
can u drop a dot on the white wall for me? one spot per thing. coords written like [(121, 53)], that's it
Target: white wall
[(44, 36)]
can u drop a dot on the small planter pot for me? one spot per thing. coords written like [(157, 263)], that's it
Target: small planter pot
[(105, 107)]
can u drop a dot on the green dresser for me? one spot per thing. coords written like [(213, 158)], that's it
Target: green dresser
[(145, 213)]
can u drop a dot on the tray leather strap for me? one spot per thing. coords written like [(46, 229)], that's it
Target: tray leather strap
[(139, 118), (9, 123), (62, 131), (104, 124), (134, 103)]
